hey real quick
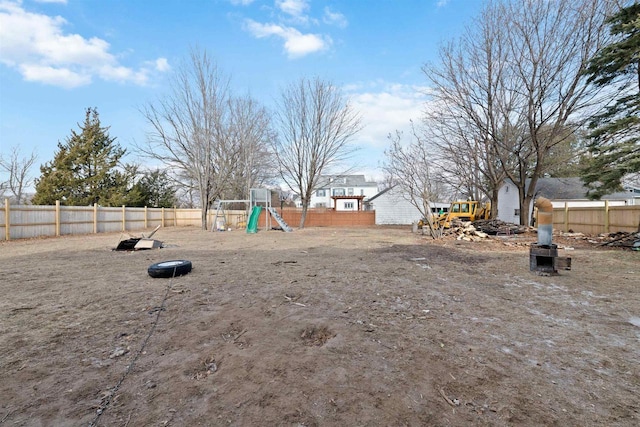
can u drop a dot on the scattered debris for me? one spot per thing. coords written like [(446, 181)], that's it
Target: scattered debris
[(119, 351), (498, 227), (316, 336), (138, 243), (619, 239), (209, 366), (452, 402), (622, 239)]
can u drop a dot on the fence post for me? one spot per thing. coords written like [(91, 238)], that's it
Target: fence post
[(124, 218), (145, 217), (566, 217), (175, 216), (162, 220), (606, 216), (7, 220), (95, 218), (57, 218)]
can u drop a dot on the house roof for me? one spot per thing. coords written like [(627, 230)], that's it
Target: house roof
[(379, 194), (571, 188), (345, 181)]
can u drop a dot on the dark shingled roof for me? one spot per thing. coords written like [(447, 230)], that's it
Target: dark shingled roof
[(351, 181), (569, 189)]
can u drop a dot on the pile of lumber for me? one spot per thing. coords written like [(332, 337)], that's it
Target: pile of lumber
[(466, 231), (622, 239), (497, 227)]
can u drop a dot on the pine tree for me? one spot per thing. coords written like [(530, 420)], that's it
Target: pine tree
[(615, 147), (84, 169)]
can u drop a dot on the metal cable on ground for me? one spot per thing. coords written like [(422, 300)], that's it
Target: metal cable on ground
[(113, 391)]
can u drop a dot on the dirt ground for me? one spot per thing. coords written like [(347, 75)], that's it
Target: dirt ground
[(318, 327)]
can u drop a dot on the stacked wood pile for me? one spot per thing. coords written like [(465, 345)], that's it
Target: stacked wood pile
[(495, 226), (466, 231)]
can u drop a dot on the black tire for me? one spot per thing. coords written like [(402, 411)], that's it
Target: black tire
[(171, 268)]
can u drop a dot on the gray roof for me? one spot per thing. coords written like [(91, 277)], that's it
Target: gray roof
[(345, 181), (380, 194), (569, 189)]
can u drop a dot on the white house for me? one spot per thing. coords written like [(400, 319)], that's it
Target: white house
[(560, 191), (393, 207), (343, 192)]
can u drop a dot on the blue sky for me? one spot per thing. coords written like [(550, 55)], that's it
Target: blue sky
[(58, 57)]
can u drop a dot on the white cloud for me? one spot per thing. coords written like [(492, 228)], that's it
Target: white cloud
[(385, 108), (334, 18), (296, 44), (162, 65), (295, 8), (52, 1), (62, 77), (38, 47), (442, 3)]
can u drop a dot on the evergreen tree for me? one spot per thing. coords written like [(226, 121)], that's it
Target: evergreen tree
[(615, 147), (155, 189), (84, 169)]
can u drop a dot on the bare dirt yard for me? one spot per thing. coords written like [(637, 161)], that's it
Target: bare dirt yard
[(318, 327)]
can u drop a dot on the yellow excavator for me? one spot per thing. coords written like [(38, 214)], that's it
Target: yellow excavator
[(463, 210)]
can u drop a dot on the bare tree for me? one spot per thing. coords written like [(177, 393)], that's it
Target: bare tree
[(410, 167), (316, 123), (550, 44), (471, 107), (253, 134), (18, 170), (190, 129), (514, 85)]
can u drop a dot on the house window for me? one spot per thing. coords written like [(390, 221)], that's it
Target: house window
[(506, 189), (321, 192), (348, 205), (516, 212), (321, 205), (362, 192), (338, 191), (350, 191)]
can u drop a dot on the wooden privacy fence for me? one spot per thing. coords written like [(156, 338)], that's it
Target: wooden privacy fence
[(596, 220), (26, 221), (29, 221)]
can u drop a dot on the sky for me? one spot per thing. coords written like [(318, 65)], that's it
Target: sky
[(60, 57)]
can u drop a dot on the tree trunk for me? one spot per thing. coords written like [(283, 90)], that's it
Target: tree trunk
[(494, 202), (204, 213), (303, 217)]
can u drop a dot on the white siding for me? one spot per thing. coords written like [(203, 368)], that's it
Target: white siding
[(508, 203), (392, 208)]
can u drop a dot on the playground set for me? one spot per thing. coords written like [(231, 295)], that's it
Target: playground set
[(259, 201)]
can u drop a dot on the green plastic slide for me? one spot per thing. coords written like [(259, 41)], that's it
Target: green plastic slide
[(252, 226)]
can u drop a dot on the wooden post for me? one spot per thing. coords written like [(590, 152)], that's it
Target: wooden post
[(95, 218), (162, 219), (57, 218), (566, 217), (124, 218), (145, 217), (606, 216), (175, 216), (7, 220)]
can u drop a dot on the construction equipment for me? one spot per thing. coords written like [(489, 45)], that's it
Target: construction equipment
[(463, 210)]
